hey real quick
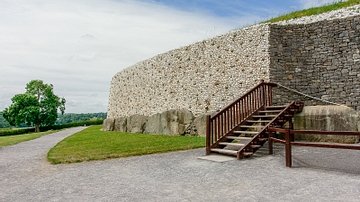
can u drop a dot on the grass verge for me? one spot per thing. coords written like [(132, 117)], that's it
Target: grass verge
[(94, 144), (315, 10), (15, 139)]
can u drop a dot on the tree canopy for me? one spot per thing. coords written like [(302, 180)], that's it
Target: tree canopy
[(38, 106)]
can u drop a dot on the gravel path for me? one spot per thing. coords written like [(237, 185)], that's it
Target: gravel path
[(25, 175)]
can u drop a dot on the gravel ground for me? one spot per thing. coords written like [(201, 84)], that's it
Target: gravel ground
[(318, 175)]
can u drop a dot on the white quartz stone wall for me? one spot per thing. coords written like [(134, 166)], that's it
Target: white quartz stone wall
[(202, 77)]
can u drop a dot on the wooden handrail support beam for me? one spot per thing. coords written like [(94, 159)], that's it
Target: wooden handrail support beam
[(289, 140)]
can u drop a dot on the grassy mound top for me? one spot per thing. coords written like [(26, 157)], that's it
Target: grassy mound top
[(314, 11)]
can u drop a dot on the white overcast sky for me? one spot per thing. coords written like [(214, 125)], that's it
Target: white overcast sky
[(79, 45)]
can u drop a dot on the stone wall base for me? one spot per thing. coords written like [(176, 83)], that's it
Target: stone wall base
[(183, 122)]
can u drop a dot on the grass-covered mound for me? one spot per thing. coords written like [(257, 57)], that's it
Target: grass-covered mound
[(314, 11)]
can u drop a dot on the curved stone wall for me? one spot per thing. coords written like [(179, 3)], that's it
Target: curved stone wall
[(202, 77), (320, 59)]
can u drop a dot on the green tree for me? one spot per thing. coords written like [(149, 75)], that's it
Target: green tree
[(38, 106)]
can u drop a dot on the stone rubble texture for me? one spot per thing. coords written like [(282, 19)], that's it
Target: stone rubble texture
[(201, 77), (316, 55)]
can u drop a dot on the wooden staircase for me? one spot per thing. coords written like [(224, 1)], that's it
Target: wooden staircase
[(240, 129)]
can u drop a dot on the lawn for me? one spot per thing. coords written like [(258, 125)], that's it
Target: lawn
[(15, 139), (94, 144)]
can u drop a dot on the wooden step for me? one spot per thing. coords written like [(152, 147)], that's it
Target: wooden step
[(238, 138), (262, 139), (255, 146), (275, 107), (245, 126), (258, 121), (232, 144), (270, 111), (246, 132), (247, 154), (264, 116), (225, 151)]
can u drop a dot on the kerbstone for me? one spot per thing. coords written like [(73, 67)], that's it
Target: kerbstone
[(136, 123), (328, 118), (172, 122), (108, 124)]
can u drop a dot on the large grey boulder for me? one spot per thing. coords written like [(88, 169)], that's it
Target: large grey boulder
[(172, 122), (108, 124), (120, 124), (198, 126), (327, 118), (136, 123)]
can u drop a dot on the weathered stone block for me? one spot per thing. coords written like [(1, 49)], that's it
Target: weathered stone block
[(136, 123), (172, 122), (328, 118), (120, 124), (200, 125), (108, 124)]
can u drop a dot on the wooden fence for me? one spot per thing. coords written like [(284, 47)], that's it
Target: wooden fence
[(289, 140)]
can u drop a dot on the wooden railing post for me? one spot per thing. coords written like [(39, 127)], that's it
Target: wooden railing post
[(270, 142), (262, 92), (208, 135), (288, 147)]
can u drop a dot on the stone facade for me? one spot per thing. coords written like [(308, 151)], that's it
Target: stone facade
[(320, 59), (202, 77)]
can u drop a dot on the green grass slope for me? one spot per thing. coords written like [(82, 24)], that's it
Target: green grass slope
[(314, 11)]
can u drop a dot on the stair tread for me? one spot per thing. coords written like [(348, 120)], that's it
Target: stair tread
[(245, 126), (264, 116), (270, 111), (225, 151), (238, 138), (271, 107), (232, 144), (248, 153), (258, 121), (246, 132)]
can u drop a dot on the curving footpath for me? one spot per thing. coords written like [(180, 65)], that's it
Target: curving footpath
[(317, 175)]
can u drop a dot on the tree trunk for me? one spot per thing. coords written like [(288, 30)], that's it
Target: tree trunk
[(37, 128)]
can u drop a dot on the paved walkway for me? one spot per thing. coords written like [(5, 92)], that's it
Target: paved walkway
[(25, 175)]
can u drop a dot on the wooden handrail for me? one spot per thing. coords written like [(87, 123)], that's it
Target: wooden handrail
[(230, 117), (317, 132)]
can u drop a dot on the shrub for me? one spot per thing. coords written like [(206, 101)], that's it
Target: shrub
[(7, 132)]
